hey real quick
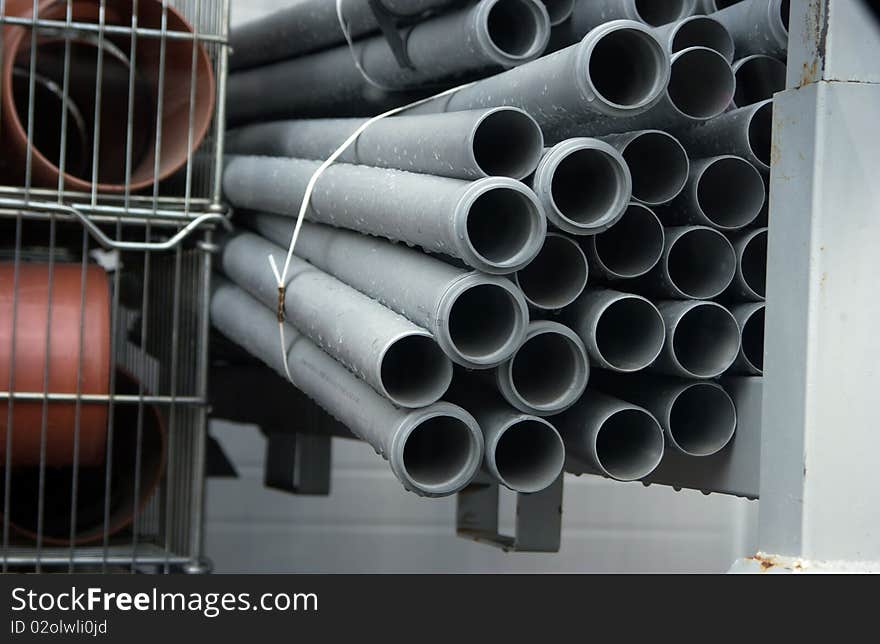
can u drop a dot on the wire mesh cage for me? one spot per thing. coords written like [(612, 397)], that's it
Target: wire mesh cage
[(112, 140)]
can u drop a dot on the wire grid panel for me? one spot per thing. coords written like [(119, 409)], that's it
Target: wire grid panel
[(109, 184), (113, 108)]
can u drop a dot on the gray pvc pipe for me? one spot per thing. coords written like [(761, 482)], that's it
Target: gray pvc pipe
[(589, 14), (611, 437), (697, 31), (558, 10), (757, 26), (698, 417), (750, 279), (499, 141), (495, 224), (557, 276), (744, 132), (433, 451), (630, 248), (523, 452), (702, 339), (489, 35), (750, 317), (618, 69), (478, 320), (397, 358), (308, 25), (724, 192), (657, 162), (583, 184), (698, 263), (548, 372), (700, 88), (758, 78), (622, 332)]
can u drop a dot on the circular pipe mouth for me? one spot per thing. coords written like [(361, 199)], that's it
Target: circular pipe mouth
[(753, 264), (515, 30), (483, 321), (784, 13), (702, 419), (549, 372), (758, 78), (628, 67), (558, 10), (702, 31), (507, 142), (629, 444), (730, 192), (752, 334), (504, 225), (632, 246), (659, 166), (701, 85), (760, 129), (701, 263), (705, 341), (438, 450), (630, 333), (557, 276), (529, 455), (662, 12), (589, 188), (414, 371)]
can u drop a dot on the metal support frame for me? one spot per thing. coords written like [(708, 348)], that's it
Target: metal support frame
[(538, 517), (819, 492)]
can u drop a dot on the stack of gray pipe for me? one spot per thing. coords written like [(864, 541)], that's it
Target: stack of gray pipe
[(583, 236)]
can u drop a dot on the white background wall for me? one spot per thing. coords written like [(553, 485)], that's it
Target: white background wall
[(370, 524)]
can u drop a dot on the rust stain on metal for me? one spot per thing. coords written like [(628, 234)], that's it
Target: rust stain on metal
[(769, 562)]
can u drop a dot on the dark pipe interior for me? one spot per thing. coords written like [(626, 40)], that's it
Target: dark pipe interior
[(702, 419), (658, 165), (633, 245), (513, 27), (706, 340), (660, 12), (702, 83), (754, 264), (757, 79), (629, 445), (482, 321), (500, 224), (701, 263), (507, 143), (625, 67), (630, 334), (415, 371), (585, 186), (545, 369), (529, 456), (731, 192), (557, 276), (703, 32), (753, 339), (437, 451)]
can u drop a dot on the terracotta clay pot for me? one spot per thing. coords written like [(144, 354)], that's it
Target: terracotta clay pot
[(91, 487), (175, 148)]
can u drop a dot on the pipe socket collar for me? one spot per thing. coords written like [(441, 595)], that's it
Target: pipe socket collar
[(437, 450), (584, 184), (481, 320), (512, 32)]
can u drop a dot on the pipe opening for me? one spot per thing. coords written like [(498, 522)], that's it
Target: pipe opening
[(627, 67), (501, 225), (630, 333), (513, 27), (758, 78), (529, 456), (82, 76), (558, 10), (702, 84), (507, 143), (557, 276), (730, 192), (437, 451), (723, 4), (753, 339), (415, 372), (482, 321), (661, 12), (760, 128), (701, 263), (702, 31), (784, 13), (659, 167), (753, 264), (706, 340), (629, 444), (632, 246), (546, 370), (702, 419), (586, 187)]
